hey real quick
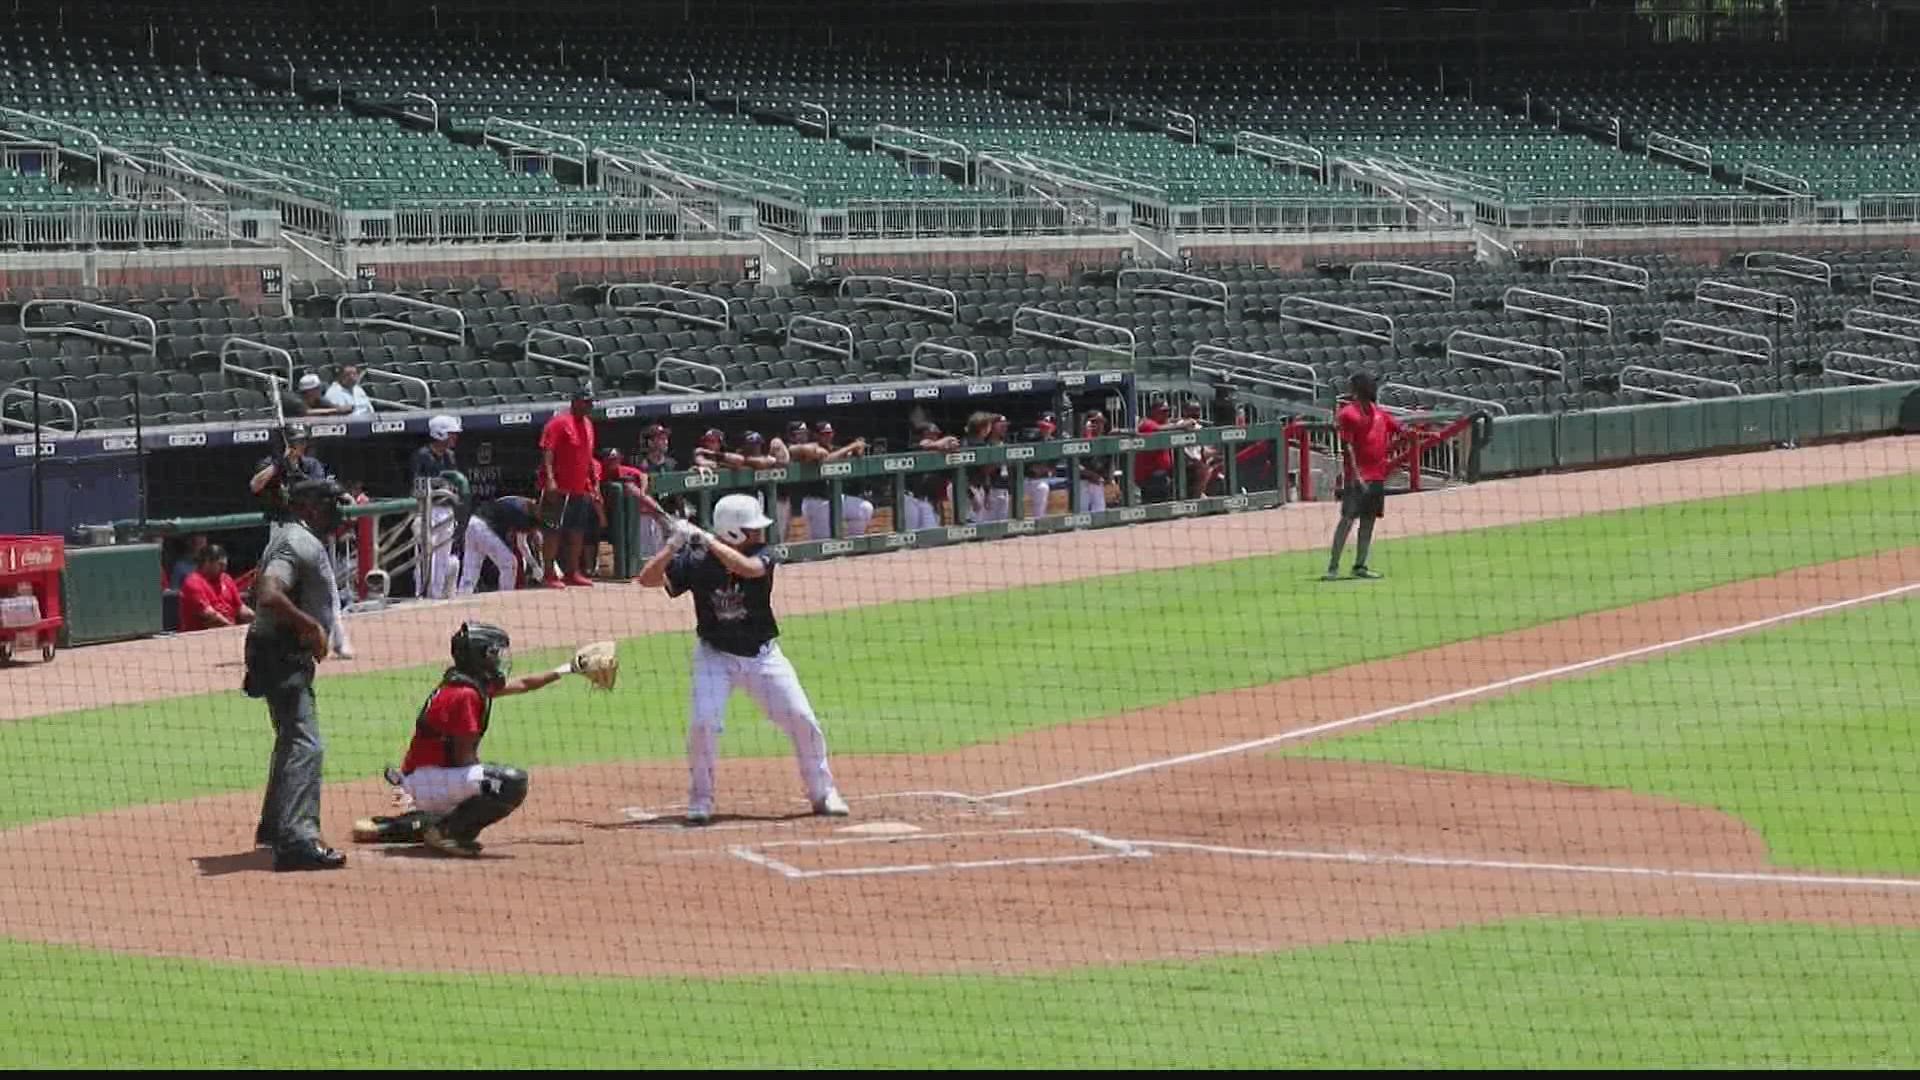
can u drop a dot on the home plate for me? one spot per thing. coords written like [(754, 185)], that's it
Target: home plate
[(880, 828)]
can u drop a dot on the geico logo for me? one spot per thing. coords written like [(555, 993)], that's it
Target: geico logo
[(963, 532), (836, 547), (780, 402), (964, 457), (1078, 448)]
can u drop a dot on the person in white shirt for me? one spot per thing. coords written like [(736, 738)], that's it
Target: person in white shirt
[(346, 392)]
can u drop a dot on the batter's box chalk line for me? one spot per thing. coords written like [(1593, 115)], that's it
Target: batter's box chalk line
[(1104, 849), (1454, 862)]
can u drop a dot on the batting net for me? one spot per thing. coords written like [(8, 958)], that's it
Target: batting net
[(1116, 764)]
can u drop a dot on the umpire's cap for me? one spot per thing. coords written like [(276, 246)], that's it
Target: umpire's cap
[(323, 490)]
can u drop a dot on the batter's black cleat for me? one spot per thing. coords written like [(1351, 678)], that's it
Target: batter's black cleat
[(263, 838), (312, 855)]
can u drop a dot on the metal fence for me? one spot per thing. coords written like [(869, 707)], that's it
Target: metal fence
[(1299, 215), (103, 225), (430, 221), (961, 217), (1658, 212)]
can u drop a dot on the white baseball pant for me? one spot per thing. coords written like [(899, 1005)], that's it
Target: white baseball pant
[(484, 546), (992, 504), (1093, 496), (920, 514), (444, 566), (438, 789), (857, 512), (770, 680), (1036, 495)]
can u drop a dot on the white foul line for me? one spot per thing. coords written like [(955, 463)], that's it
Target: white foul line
[(1366, 858), (1459, 695)]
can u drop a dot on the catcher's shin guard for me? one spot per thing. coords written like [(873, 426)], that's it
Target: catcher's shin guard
[(502, 790)]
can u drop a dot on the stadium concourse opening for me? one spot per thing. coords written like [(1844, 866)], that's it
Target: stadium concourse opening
[(1064, 535)]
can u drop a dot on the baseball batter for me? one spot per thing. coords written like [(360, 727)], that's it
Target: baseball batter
[(730, 574)]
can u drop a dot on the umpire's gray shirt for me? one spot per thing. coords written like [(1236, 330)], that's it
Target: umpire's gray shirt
[(298, 562)]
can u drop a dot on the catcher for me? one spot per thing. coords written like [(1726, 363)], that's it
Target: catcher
[(448, 794)]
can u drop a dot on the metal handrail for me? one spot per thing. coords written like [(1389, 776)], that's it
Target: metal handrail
[(660, 381), (1778, 305), (1851, 322), (953, 298), (1875, 290), (1386, 338), (460, 317), (1788, 265), (825, 125), (1587, 268), (1677, 148), (821, 346), (1604, 321), (1667, 337), (726, 304), (1313, 384), (65, 405), (426, 390), (414, 95), (153, 328), (1856, 376), (1131, 351), (562, 136), (1191, 131), (228, 367), (913, 358), (1793, 185), (1362, 271), (1442, 395), (1532, 347), (235, 344), (1120, 284), (1669, 395), (541, 333), (1904, 365), (1315, 158), (879, 129), (98, 143)]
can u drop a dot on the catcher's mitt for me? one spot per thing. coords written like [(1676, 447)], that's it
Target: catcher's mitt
[(599, 662)]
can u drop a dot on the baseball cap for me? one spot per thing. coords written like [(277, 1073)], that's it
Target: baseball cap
[(309, 381), (312, 490), (442, 426)]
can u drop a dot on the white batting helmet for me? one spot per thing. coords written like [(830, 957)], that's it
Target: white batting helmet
[(735, 514)]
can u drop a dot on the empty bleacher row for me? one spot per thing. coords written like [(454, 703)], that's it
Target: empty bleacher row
[(1539, 338)]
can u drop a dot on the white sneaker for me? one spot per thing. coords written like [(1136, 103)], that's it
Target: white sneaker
[(831, 806)]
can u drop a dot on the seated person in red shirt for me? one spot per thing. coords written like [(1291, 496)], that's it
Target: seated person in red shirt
[(453, 794), (209, 597), (1367, 430)]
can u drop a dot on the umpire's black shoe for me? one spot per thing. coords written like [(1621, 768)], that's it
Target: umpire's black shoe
[(312, 855)]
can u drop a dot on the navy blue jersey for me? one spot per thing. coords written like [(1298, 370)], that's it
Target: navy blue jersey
[(508, 514), (735, 615)]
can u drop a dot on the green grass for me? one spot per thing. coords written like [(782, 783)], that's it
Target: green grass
[(935, 675), (1530, 993), (1810, 732)]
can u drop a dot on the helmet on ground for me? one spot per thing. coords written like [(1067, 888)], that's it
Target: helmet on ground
[(735, 514), (482, 651)]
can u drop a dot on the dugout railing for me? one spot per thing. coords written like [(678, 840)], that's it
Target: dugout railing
[(1260, 468)]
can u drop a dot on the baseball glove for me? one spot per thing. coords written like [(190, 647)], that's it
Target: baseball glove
[(599, 663)]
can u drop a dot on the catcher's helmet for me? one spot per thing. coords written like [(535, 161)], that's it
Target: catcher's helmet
[(482, 651), (735, 514)]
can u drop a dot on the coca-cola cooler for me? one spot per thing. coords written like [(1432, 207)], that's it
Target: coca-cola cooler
[(30, 615)]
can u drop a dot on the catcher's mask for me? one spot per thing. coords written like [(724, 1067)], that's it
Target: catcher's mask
[(482, 651)]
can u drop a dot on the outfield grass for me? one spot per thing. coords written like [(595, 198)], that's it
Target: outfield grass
[(934, 675), (1545, 993), (1810, 732)]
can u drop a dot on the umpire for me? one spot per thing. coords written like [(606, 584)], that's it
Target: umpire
[(294, 614)]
